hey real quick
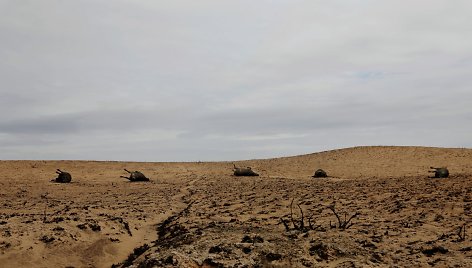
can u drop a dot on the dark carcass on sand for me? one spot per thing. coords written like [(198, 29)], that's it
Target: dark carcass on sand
[(247, 171), (319, 173), (441, 172), (135, 176), (63, 177)]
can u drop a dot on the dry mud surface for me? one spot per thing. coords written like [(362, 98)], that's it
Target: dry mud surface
[(199, 215)]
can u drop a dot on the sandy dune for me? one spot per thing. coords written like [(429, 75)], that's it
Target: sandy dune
[(199, 215)]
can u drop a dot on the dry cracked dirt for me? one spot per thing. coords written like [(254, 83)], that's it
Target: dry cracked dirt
[(377, 208)]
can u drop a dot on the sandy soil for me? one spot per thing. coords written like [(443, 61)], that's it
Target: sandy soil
[(199, 215)]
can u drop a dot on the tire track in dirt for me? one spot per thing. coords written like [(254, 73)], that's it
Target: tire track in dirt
[(180, 202)]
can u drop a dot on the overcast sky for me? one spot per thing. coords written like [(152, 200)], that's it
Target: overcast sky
[(203, 80)]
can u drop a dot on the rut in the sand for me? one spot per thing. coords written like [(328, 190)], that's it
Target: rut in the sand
[(169, 232)]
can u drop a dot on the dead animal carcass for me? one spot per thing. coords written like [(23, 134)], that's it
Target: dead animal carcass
[(247, 171), (135, 176), (441, 172), (319, 173), (62, 177)]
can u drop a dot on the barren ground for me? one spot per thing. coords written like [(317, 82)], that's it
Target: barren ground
[(199, 215)]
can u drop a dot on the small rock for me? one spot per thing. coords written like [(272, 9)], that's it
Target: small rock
[(215, 249), (208, 262), (247, 239), (436, 249), (319, 249), (95, 227), (247, 250), (47, 239), (376, 258), (273, 257), (170, 260), (82, 226), (258, 239), (57, 219)]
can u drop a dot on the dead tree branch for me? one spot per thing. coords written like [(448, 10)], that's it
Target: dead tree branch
[(302, 220), (342, 224), (291, 215), (299, 225)]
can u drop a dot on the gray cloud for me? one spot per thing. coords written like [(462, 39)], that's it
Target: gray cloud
[(220, 80)]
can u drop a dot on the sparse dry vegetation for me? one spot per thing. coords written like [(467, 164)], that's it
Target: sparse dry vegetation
[(384, 213)]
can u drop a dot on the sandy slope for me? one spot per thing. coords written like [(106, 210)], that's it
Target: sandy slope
[(209, 218)]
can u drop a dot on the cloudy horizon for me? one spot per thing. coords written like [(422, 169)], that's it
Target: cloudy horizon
[(230, 80)]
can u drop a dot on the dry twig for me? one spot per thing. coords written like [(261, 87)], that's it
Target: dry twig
[(299, 225), (342, 224)]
